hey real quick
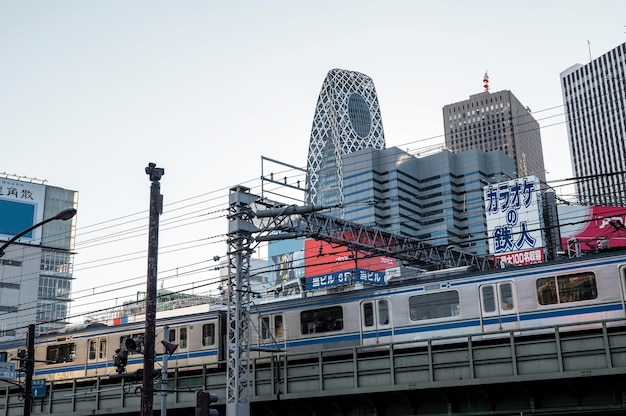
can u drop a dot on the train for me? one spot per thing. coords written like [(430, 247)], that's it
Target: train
[(492, 303)]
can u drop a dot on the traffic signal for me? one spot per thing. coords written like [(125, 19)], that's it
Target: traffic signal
[(120, 360), (21, 354), (203, 403)]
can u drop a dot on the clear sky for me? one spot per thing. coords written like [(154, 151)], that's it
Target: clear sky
[(92, 91)]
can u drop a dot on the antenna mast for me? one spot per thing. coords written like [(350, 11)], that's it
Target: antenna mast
[(486, 81)]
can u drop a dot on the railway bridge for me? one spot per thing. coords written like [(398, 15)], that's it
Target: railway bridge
[(570, 369)]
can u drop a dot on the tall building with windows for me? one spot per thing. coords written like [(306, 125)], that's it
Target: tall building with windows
[(36, 269), (496, 121), (347, 118), (595, 107), (437, 198)]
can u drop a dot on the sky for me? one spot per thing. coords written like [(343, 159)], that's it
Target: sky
[(93, 91)]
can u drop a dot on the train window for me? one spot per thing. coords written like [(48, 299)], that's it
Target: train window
[(265, 327), (546, 291), (61, 353), (576, 287), (434, 305), (103, 348), (132, 343), (368, 314), (3, 356), (92, 349), (278, 326), (171, 335), (208, 334), (321, 320), (183, 337), (571, 288), (506, 296), (489, 298), (383, 312)]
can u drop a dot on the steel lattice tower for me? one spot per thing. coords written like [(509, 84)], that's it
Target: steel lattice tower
[(347, 118)]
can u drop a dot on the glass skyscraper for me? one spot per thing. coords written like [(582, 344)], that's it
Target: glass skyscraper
[(595, 107), (347, 118)]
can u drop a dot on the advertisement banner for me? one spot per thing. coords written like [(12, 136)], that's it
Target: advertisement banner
[(21, 207), (592, 226), (328, 266), (514, 212)]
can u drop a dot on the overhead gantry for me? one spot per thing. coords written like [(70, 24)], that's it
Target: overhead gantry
[(252, 220)]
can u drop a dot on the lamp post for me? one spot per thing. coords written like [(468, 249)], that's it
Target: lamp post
[(64, 215)]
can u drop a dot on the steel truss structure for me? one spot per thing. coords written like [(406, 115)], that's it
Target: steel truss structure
[(249, 215)]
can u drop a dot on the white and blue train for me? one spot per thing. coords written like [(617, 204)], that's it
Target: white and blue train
[(586, 289)]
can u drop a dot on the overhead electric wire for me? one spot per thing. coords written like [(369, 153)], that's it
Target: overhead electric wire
[(100, 240)]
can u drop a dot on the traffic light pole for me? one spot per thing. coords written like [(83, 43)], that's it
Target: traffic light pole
[(156, 208), (30, 369)]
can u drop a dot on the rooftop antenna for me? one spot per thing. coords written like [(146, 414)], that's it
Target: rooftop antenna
[(486, 81), (589, 47)]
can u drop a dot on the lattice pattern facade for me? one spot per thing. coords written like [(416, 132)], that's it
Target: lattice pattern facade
[(347, 118)]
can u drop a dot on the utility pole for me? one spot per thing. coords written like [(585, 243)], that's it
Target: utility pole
[(30, 369), (156, 208)]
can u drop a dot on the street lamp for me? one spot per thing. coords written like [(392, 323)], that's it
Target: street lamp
[(64, 215)]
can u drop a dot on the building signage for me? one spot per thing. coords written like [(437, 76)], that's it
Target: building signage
[(21, 207), (514, 221), (591, 226), (330, 265), (39, 387), (7, 370)]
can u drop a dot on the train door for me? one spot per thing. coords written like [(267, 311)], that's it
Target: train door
[(498, 306), (96, 356), (622, 272), (272, 334), (376, 322)]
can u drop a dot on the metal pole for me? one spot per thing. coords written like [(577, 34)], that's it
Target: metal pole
[(156, 207), (164, 374), (30, 368)]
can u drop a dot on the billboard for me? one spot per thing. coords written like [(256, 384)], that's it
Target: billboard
[(592, 225), (286, 260), (330, 265), (514, 213), (21, 207)]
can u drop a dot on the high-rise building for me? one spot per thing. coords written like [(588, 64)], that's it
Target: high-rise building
[(437, 198), (347, 118), (36, 269), (496, 121), (595, 106)]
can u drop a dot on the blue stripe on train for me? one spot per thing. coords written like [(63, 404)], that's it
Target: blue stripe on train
[(355, 337)]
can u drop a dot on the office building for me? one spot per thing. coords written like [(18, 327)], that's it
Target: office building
[(595, 108), (496, 121), (347, 118), (36, 269), (437, 198)]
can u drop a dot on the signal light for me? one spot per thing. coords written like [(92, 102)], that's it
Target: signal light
[(204, 399), (21, 354), (120, 360)]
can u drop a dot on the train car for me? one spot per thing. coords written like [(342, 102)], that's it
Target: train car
[(93, 350), (585, 289), (485, 304)]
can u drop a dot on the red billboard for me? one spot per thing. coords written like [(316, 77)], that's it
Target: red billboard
[(329, 265), (594, 227)]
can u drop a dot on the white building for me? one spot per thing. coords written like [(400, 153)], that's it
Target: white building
[(36, 269), (595, 107)]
